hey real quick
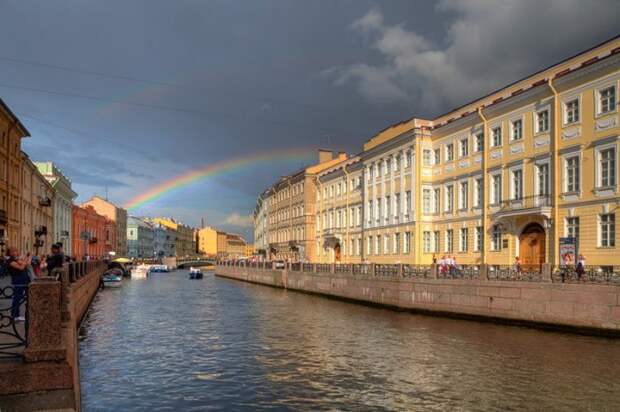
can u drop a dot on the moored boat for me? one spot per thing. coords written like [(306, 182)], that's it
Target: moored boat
[(141, 271), (159, 269), (195, 273), (112, 278)]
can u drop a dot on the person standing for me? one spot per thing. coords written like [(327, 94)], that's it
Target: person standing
[(55, 260), (18, 269), (580, 267)]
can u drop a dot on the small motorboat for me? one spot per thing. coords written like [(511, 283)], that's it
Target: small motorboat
[(195, 273), (141, 272), (159, 269), (112, 278)]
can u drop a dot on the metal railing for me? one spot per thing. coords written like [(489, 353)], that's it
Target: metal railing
[(590, 274), (13, 333), (459, 272), (342, 268), (418, 271), (77, 270), (360, 269), (529, 273), (323, 267), (525, 202), (386, 270)]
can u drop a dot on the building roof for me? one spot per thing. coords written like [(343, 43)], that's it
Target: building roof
[(14, 118)]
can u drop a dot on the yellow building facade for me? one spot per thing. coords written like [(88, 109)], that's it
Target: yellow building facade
[(504, 176)]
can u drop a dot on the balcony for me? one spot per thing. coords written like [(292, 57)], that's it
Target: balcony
[(529, 205)]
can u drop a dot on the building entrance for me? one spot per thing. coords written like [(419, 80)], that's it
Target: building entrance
[(532, 245)]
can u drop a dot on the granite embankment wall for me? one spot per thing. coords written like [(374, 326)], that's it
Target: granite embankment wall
[(585, 308), (48, 377)]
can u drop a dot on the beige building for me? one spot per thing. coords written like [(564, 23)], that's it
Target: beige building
[(185, 243), (116, 214), (37, 198), (339, 213), (292, 214), (235, 246), (207, 241)]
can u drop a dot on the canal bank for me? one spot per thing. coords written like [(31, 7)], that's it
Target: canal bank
[(46, 375), (580, 308)]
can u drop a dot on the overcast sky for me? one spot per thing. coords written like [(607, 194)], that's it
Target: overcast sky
[(126, 94)]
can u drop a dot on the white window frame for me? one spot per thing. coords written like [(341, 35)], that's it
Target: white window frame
[(464, 147), (463, 241), (463, 201), (427, 243), (568, 226), (598, 103), (427, 156), (496, 238), (449, 246), (478, 200), (537, 116), (407, 243), (427, 203), (513, 186), (449, 198), (479, 146), (565, 159), (396, 244), (598, 170), (449, 150), (436, 241), (493, 135), (513, 129), (611, 240), (437, 156), (496, 199), (478, 237), (565, 111)]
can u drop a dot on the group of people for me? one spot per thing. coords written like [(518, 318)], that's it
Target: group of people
[(447, 265), (24, 269)]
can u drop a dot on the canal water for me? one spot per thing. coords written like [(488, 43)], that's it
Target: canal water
[(168, 343)]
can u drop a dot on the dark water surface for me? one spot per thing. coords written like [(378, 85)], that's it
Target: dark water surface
[(168, 343)]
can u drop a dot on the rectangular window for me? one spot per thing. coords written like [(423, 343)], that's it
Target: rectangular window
[(388, 205), (497, 136), (517, 129), (359, 246), (496, 189), (426, 201), (397, 205), (449, 152), (572, 174), (572, 228), (479, 192), (517, 184), (378, 210), (496, 238), (386, 244), (369, 245), (607, 167), (479, 147), (464, 147), (571, 111), (449, 198), (479, 238), (358, 218), (607, 230), (370, 211), (426, 157), (449, 240), (542, 121), (436, 241), (437, 156), (464, 239), (427, 241), (407, 246), (607, 100), (436, 201), (543, 180), (396, 243), (464, 198), (378, 244), (408, 202)]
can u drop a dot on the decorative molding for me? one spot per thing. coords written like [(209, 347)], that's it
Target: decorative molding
[(542, 141), (427, 172), (571, 133), (606, 123), (496, 154), (516, 148), (464, 163), (478, 159), (449, 168)]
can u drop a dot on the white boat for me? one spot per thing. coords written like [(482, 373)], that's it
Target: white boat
[(159, 269), (195, 273), (112, 279), (140, 272)]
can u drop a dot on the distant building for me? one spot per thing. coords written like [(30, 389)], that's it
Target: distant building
[(37, 214), (261, 226), (164, 240), (185, 240), (116, 214), (62, 204), (89, 232), (207, 241), (140, 238), (235, 246), (249, 250)]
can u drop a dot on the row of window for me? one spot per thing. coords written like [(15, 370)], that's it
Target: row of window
[(338, 218), (285, 214), (296, 189), (389, 244), (390, 164), (285, 235), (389, 206), (339, 188), (571, 114)]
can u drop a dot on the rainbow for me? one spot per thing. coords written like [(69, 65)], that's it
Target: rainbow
[(215, 169)]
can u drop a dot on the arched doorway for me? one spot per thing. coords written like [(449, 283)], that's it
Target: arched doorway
[(532, 245), (337, 252)]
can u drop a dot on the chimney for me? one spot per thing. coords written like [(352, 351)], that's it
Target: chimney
[(342, 155), (325, 155)]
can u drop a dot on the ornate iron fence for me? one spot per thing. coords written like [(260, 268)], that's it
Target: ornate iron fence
[(342, 268), (386, 270), (590, 274), (296, 267), (529, 273), (323, 267), (13, 332), (361, 269), (418, 271), (308, 267), (459, 272)]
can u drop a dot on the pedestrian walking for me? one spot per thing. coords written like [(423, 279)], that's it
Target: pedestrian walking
[(517, 265), (18, 269), (580, 267)]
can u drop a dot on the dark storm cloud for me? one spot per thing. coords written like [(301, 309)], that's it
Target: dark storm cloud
[(129, 94)]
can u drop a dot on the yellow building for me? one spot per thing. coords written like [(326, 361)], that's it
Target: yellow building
[(339, 213), (292, 211), (235, 246), (249, 250), (11, 133), (505, 175), (207, 240)]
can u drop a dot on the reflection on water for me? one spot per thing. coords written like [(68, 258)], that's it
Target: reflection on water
[(170, 343)]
